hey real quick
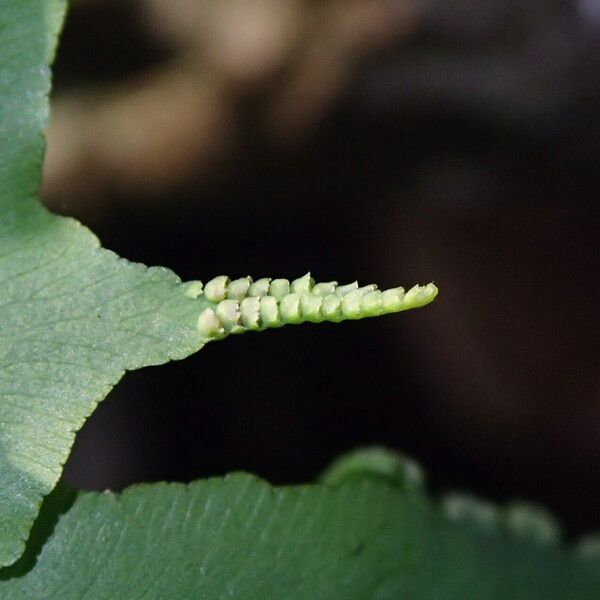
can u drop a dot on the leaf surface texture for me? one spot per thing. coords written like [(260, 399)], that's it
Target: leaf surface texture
[(238, 537), (74, 316)]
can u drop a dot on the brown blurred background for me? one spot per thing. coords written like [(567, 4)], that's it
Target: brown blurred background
[(397, 141)]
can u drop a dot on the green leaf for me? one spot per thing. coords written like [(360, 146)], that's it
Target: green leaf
[(74, 317), (238, 537)]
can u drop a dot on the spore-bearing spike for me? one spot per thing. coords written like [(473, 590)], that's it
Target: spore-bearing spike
[(243, 305)]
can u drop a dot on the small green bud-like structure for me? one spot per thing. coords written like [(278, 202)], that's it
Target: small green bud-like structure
[(533, 522), (239, 305), (376, 463), (238, 289), (522, 519), (469, 509), (216, 289)]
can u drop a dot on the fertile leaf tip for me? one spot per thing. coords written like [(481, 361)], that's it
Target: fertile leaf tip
[(246, 305)]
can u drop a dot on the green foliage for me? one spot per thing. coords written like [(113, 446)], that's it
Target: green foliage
[(374, 534), (74, 317)]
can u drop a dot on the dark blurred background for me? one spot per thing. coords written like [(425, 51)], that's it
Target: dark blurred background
[(395, 141)]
